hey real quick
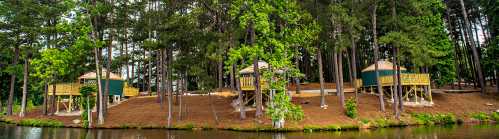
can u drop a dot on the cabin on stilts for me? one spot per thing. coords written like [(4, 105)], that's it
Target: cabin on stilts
[(247, 85), (68, 94), (416, 88)]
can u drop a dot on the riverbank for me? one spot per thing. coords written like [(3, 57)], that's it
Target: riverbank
[(215, 112)]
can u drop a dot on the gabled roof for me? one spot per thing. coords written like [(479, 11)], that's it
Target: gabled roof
[(249, 69), (92, 75), (382, 65)]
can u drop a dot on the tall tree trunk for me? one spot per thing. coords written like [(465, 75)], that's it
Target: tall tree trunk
[(220, 74), (353, 64), (1, 105), (354, 69), (321, 77), (242, 111), (10, 100), (52, 98), (376, 59), (161, 75), (149, 73), (456, 48), (180, 91), (45, 98), (144, 71), (132, 58), (169, 85), (25, 87), (109, 58), (256, 72), (496, 72), (297, 80), (125, 32), (100, 117), (400, 94), (336, 73), (395, 85), (340, 78), (476, 57), (319, 61)]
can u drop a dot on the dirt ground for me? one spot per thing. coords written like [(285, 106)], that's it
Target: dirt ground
[(198, 111)]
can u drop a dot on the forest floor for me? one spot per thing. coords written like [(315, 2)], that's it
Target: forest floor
[(215, 111)]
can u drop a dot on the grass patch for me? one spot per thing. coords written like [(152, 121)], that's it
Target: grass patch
[(429, 119), (40, 123)]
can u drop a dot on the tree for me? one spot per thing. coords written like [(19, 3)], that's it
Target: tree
[(271, 38), (376, 59), (476, 57)]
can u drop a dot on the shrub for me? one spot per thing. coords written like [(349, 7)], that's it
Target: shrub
[(364, 121), (87, 102), (428, 119), (381, 123), (481, 116), (40, 123), (351, 108), (283, 109), (444, 119), (494, 116)]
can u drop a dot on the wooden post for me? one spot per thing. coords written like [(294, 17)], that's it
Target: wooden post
[(415, 93), (57, 104), (391, 94), (429, 93), (70, 103)]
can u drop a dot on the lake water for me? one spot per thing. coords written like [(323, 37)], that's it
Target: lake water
[(426, 132)]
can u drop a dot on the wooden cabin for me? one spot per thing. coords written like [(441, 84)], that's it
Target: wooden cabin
[(247, 78), (67, 94), (416, 87), (247, 86)]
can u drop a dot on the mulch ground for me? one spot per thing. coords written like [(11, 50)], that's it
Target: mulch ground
[(201, 110)]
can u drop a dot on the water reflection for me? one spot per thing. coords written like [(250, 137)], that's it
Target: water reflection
[(432, 132)]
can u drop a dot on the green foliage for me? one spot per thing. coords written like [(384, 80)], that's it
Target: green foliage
[(429, 119), (282, 108), (351, 108), (421, 36), (365, 121), (381, 122), (481, 116), (494, 116), (41, 123), (87, 101)]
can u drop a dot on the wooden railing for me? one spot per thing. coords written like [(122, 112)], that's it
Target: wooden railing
[(247, 83), (68, 89), (407, 79), (65, 89)]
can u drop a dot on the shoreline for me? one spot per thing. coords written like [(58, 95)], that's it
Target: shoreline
[(264, 128), (146, 113)]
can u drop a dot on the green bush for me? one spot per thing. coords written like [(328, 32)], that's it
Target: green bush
[(87, 101), (381, 123), (364, 121), (351, 108), (445, 119), (429, 119), (481, 116), (494, 116), (283, 108), (40, 123)]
